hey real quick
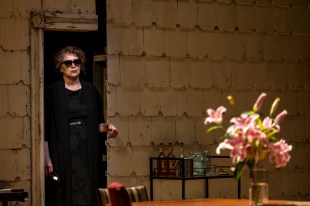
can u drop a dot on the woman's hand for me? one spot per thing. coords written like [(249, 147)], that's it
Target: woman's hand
[(48, 168), (110, 128), (47, 160)]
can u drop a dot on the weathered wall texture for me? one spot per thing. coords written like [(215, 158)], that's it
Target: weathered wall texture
[(169, 60), (15, 84), (15, 140)]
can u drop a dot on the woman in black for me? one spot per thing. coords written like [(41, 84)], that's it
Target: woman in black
[(73, 121)]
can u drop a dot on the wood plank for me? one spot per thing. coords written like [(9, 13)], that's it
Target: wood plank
[(70, 18), (98, 58), (64, 22), (70, 22), (72, 27)]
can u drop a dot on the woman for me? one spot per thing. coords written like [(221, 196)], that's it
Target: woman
[(73, 121)]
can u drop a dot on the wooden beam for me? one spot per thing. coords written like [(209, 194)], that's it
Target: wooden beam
[(37, 118), (64, 22), (70, 22)]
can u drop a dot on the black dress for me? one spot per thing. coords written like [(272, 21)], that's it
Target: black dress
[(79, 148), (74, 149)]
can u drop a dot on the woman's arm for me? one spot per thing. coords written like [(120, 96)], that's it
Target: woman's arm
[(47, 160)]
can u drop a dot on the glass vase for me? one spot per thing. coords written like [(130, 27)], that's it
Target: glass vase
[(258, 191)]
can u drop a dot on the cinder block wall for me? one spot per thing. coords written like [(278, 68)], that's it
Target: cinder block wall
[(169, 60)]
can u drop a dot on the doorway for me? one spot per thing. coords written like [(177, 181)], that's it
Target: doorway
[(50, 32), (55, 40)]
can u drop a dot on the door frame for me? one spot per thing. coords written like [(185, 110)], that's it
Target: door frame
[(41, 21)]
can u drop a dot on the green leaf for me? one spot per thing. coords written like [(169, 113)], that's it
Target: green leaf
[(248, 113), (214, 128), (274, 139), (271, 133), (239, 170)]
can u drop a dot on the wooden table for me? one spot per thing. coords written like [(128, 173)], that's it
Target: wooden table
[(217, 202)]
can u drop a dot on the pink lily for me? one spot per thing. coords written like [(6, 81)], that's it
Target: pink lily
[(269, 124), (215, 116), (280, 117), (279, 153), (250, 137), (244, 122), (239, 149), (259, 102), (254, 133)]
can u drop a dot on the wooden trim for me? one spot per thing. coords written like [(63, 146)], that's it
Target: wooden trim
[(41, 21), (37, 118), (100, 58), (64, 22)]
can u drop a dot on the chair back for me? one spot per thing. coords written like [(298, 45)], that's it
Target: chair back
[(136, 194), (104, 196), (118, 195)]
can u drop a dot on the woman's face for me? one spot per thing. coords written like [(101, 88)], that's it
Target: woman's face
[(71, 66)]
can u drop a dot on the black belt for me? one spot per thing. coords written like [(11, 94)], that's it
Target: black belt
[(77, 123)]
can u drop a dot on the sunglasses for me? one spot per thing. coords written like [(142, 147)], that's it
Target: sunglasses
[(69, 63)]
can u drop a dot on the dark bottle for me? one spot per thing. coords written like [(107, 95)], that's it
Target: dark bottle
[(181, 150), (171, 162), (179, 163), (162, 164)]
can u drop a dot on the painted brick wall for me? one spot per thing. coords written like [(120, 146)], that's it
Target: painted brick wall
[(169, 60)]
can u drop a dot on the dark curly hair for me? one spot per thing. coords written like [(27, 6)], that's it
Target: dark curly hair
[(59, 56)]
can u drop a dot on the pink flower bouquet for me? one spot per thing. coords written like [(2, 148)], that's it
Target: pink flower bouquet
[(250, 137)]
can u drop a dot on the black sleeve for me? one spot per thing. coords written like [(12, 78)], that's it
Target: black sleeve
[(47, 114), (100, 107)]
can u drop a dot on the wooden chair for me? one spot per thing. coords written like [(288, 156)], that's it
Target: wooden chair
[(104, 197), (136, 194), (118, 195)]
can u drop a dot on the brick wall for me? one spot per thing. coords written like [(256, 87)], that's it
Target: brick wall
[(168, 61)]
